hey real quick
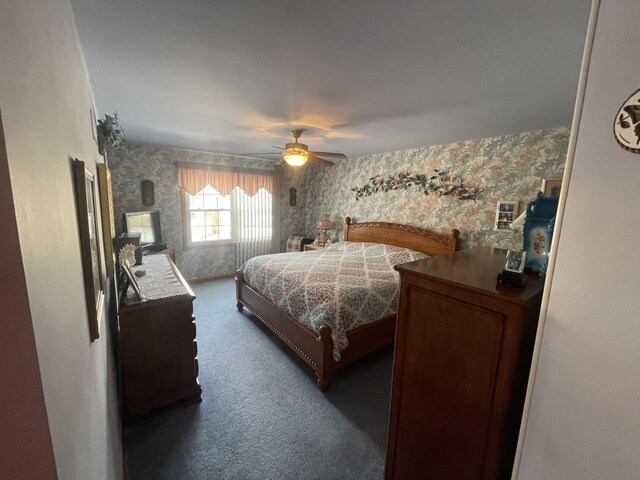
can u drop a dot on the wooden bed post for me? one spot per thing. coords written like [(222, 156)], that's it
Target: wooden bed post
[(347, 224), (325, 370), (239, 282)]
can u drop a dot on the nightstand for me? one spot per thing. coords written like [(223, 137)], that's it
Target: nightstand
[(313, 246)]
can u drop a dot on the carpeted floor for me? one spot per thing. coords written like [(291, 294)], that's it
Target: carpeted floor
[(262, 416)]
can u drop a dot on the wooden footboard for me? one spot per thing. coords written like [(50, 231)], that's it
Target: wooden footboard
[(315, 349)]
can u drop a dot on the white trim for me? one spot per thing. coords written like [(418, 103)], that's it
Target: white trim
[(189, 243), (573, 138)]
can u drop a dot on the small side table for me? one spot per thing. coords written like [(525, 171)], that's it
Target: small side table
[(313, 246)]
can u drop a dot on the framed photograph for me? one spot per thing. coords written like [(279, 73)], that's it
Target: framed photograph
[(515, 261), (506, 213), (131, 280), (89, 244), (551, 187), (107, 217)]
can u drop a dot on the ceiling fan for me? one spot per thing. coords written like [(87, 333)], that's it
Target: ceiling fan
[(296, 154)]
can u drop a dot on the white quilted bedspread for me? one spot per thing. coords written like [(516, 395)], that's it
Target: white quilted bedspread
[(346, 285)]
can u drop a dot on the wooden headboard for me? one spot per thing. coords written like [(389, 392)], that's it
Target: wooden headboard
[(400, 235)]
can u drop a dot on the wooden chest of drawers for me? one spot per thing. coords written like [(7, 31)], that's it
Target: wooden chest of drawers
[(461, 363), (157, 340)]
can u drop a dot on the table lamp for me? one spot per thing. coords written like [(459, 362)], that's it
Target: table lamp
[(324, 224)]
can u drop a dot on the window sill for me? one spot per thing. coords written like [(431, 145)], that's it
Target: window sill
[(200, 246)]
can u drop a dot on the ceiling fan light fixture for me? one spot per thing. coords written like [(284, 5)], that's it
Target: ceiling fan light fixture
[(295, 154), (295, 159)]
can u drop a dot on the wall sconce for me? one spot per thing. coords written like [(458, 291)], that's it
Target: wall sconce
[(148, 198)]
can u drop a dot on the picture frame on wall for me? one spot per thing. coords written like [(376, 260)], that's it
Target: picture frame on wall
[(551, 187), (90, 251), (506, 213), (107, 217)]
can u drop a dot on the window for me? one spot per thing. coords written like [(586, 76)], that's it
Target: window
[(212, 218), (208, 217), (253, 216)]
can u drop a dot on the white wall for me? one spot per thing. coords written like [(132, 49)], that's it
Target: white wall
[(25, 441), (584, 421), (45, 99)]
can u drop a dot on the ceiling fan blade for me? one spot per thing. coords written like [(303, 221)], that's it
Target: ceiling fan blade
[(249, 154), (330, 155), (279, 148), (319, 161), (280, 162)]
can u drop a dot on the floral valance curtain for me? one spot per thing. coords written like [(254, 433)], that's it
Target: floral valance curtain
[(193, 177)]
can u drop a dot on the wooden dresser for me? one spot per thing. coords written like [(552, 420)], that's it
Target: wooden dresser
[(157, 340), (461, 363)]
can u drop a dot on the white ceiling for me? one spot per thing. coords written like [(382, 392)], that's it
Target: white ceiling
[(363, 76)]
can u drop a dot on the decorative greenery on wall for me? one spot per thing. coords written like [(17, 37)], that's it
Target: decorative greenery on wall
[(508, 167), (440, 184), (110, 133)]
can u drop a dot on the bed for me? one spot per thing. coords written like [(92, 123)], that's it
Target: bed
[(316, 346)]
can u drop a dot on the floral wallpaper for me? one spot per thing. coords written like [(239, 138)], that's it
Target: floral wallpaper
[(509, 167), (292, 218), (139, 162)]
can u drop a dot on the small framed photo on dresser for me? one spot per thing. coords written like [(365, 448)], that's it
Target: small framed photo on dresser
[(515, 261), (130, 279), (506, 213)]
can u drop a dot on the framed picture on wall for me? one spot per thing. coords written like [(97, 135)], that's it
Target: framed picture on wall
[(90, 251), (551, 187), (506, 213), (107, 216)]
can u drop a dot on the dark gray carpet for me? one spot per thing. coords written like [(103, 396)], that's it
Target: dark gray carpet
[(262, 416)]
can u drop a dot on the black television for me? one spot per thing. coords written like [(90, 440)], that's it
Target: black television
[(146, 223)]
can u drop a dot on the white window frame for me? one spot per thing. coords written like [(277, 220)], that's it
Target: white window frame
[(235, 229), (186, 223)]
